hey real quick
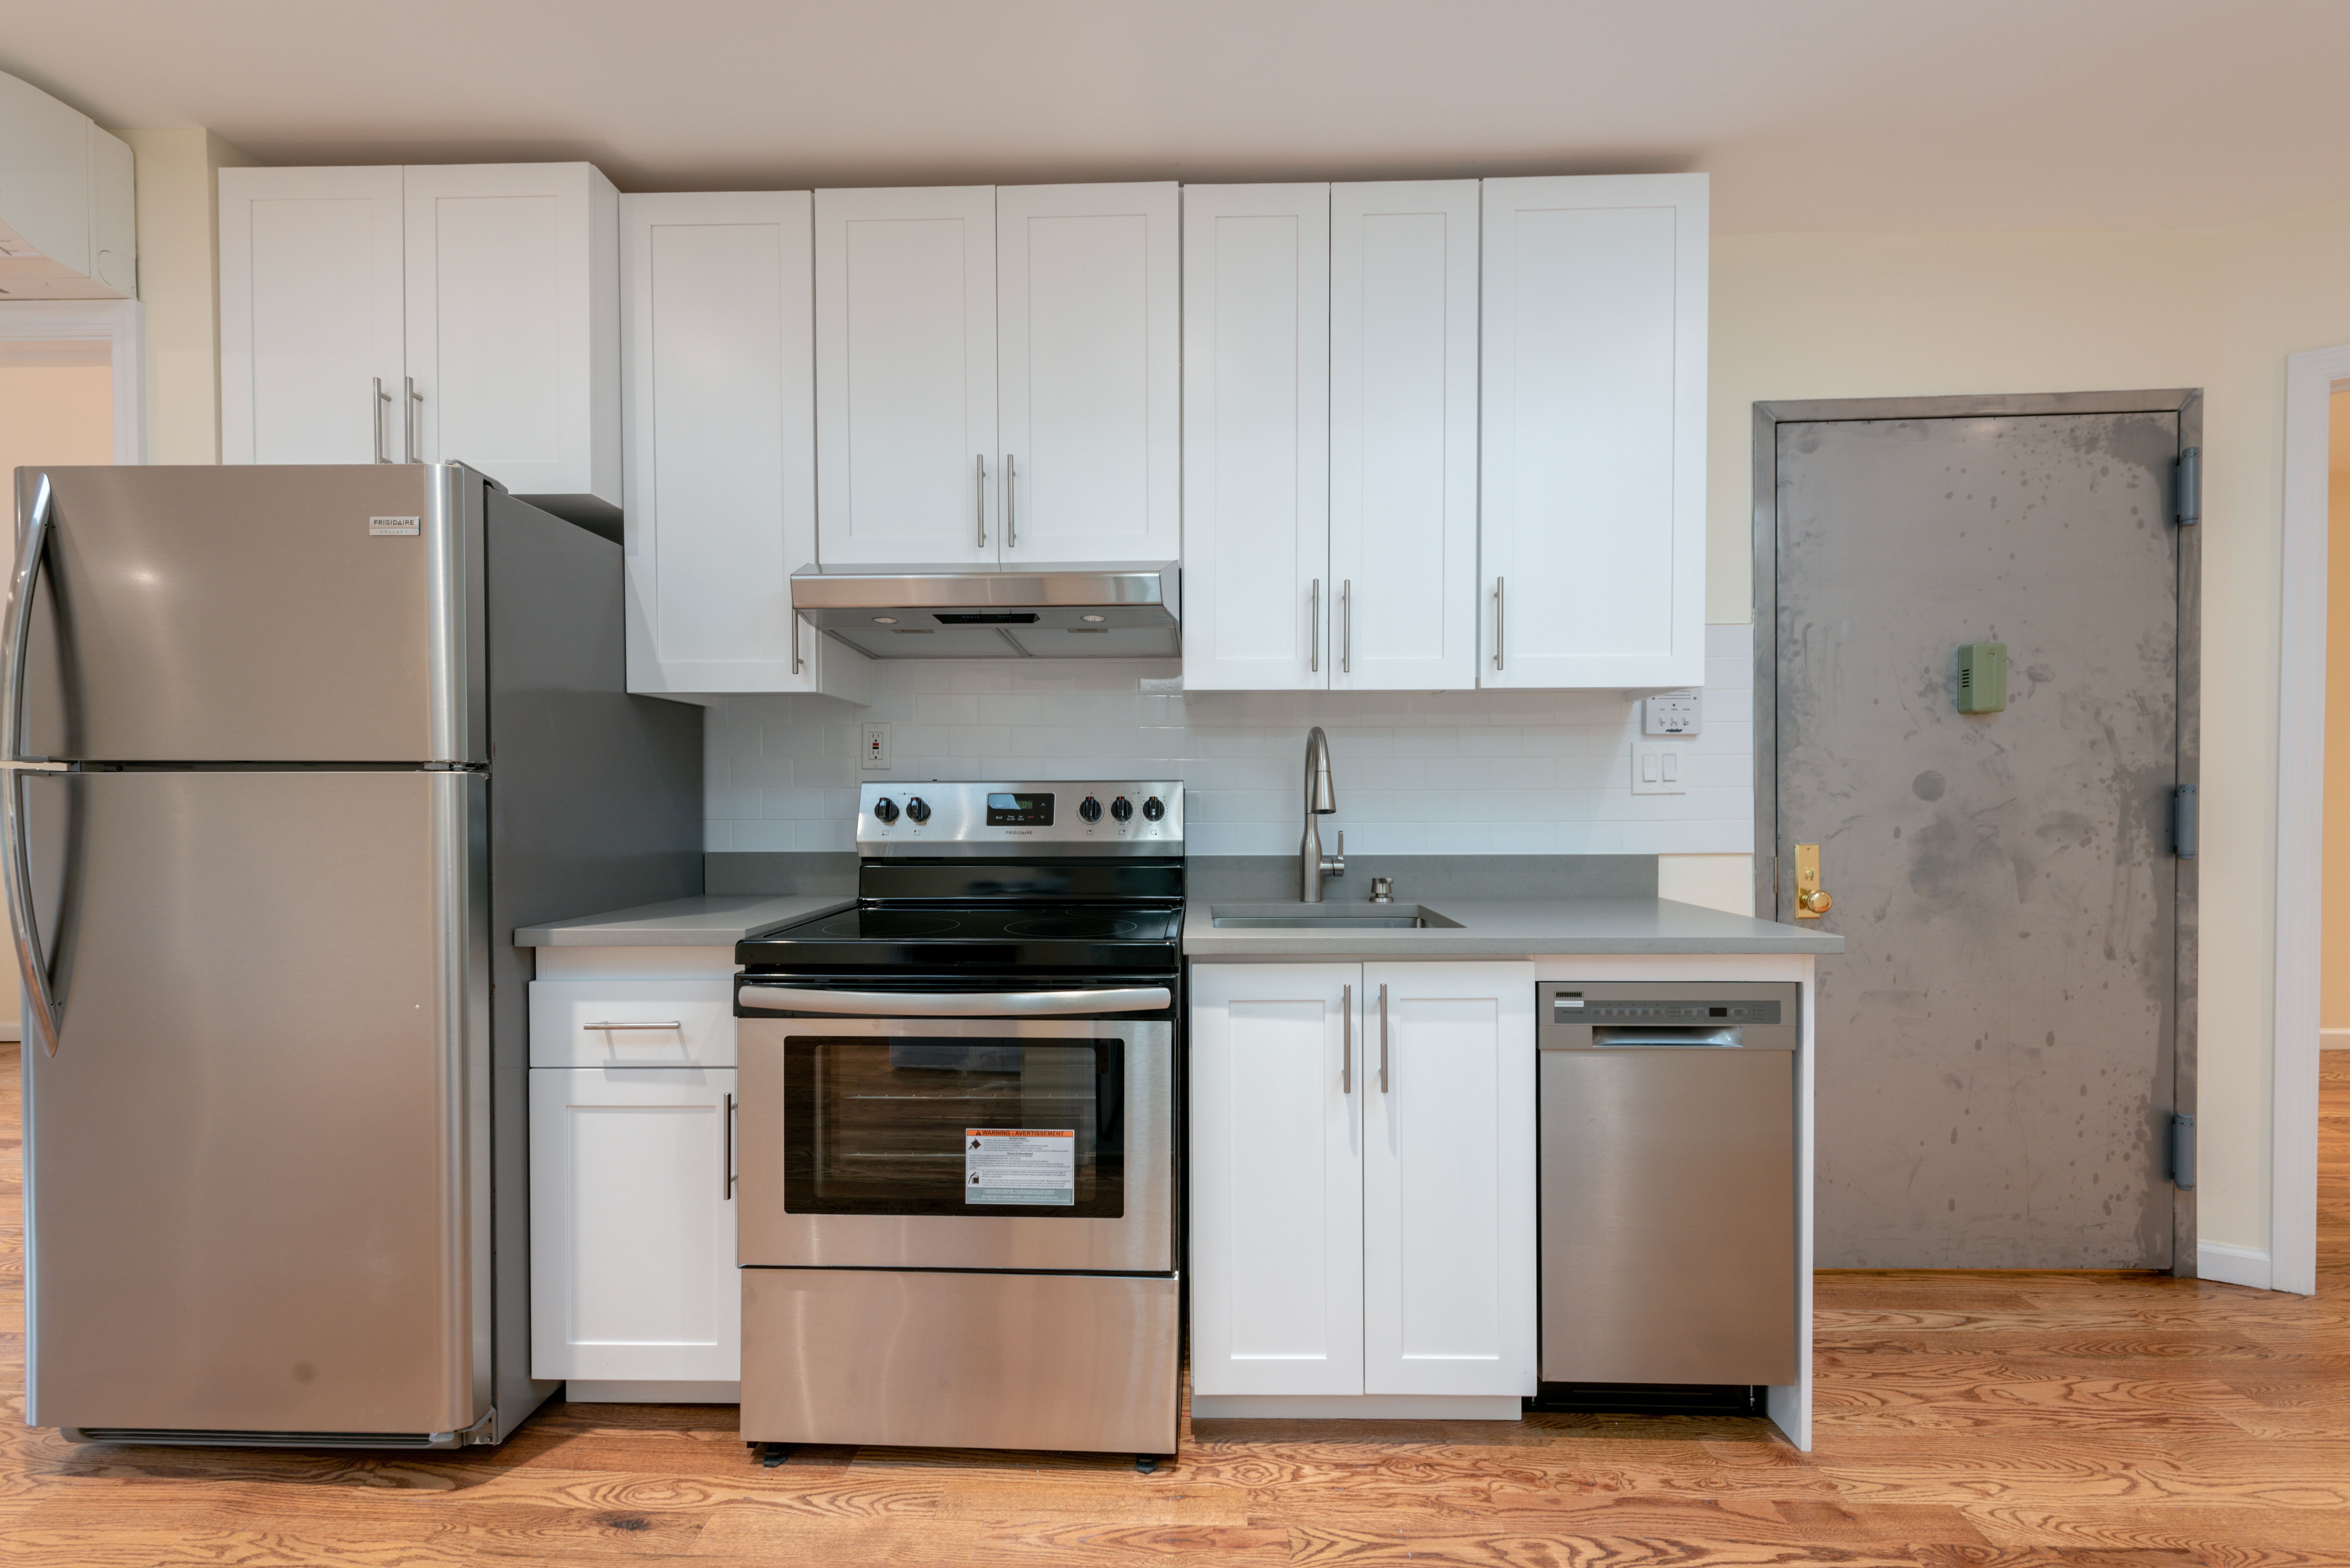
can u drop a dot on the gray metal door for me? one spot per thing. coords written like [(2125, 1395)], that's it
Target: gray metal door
[(256, 1163), (247, 614), (2000, 1045)]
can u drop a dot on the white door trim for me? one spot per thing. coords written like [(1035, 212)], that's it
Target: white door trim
[(2311, 379), (114, 320)]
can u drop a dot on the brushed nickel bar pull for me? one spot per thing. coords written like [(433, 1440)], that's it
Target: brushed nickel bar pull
[(407, 435), (1011, 520), (1383, 1039), (1313, 644), (1497, 623), (382, 398), (726, 1187), (979, 495), (1347, 1047), (672, 1024), (799, 623), (1346, 626)]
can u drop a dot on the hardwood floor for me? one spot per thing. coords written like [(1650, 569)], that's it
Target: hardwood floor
[(1965, 1419)]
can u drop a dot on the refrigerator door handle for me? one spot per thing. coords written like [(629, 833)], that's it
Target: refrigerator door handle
[(17, 860)]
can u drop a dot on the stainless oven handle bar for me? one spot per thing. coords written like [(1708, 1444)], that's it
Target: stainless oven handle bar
[(958, 1003)]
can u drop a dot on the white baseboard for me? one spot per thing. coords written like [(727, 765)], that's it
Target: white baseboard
[(1359, 1407), (581, 1392), (2232, 1265), (2334, 1039)]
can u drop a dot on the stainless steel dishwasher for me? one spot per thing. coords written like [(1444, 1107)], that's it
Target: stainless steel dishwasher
[(1668, 1118)]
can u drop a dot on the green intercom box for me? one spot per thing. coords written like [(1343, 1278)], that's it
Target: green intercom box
[(1982, 677)]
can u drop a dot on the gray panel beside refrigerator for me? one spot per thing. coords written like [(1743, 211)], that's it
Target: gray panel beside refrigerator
[(333, 734)]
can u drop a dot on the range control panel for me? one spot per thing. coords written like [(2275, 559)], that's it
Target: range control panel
[(1082, 816)]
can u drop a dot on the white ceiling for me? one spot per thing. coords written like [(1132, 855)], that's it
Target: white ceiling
[(1810, 114)]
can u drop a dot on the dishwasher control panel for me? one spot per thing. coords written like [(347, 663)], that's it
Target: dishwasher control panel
[(1622, 1014)]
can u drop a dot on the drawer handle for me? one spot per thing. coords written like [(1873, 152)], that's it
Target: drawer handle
[(671, 1025)]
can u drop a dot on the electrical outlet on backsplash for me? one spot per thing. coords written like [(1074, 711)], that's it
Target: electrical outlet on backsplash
[(1447, 772)]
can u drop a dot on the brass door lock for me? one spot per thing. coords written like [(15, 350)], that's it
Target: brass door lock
[(1811, 901)]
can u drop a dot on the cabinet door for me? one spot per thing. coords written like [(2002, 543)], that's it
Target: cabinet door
[(311, 314), (1448, 1178), (1088, 312), (1256, 438), (632, 1225), (905, 354), (1276, 1178), (514, 327), (1403, 435), (1594, 470), (717, 302)]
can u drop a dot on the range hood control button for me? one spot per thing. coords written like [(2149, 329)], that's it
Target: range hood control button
[(1154, 808), (918, 808), (1121, 808), (886, 809), (1090, 809)]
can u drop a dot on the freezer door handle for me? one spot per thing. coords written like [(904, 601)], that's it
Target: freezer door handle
[(958, 1004), (17, 860)]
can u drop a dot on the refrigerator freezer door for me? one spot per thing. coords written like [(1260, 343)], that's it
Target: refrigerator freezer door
[(310, 614), (256, 1166)]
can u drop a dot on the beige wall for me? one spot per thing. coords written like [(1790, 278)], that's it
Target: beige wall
[(1845, 316), (2334, 1002), (178, 178)]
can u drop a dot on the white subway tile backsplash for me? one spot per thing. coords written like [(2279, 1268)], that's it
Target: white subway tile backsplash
[(1466, 772)]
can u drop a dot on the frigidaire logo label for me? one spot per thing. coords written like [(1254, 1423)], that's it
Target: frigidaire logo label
[(395, 524)]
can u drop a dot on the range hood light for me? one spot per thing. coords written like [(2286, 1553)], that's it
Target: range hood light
[(1095, 620), (885, 620)]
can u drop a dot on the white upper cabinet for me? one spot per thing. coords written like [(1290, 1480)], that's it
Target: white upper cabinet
[(905, 342), (719, 414), (1088, 338), (1403, 435), (313, 300), (1257, 606), (431, 313), (514, 326), (1594, 416)]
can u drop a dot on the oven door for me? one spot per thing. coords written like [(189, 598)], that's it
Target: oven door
[(943, 1142)]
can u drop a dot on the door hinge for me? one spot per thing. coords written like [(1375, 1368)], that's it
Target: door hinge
[(2190, 486), (2182, 1153), (2184, 823)]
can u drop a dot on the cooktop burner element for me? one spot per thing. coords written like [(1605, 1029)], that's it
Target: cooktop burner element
[(883, 925), (1073, 926)]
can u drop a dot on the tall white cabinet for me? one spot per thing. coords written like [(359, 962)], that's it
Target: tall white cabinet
[(720, 417), (1363, 1188), (465, 312), (1594, 431), (997, 378)]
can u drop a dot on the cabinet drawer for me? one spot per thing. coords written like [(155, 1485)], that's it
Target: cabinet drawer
[(653, 1024)]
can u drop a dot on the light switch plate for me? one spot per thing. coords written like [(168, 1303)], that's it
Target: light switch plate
[(875, 751), (1660, 770), (1671, 713)]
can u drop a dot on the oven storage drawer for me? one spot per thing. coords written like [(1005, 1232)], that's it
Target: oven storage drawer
[(1084, 1362)]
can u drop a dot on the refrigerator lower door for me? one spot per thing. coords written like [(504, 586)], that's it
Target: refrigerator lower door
[(257, 1162)]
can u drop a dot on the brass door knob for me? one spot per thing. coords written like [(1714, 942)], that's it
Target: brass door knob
[(1814, 902)]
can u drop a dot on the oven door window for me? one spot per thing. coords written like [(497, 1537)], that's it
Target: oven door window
[(955, 1125)]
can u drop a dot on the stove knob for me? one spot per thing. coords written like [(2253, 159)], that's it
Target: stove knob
[(1121, 808), (886, 809), (1090, 809), (918, 808), (1154, 808)]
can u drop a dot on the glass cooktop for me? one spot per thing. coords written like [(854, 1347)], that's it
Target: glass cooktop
[(953, 936)]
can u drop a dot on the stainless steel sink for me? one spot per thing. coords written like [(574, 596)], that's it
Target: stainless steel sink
[(1328, 916)]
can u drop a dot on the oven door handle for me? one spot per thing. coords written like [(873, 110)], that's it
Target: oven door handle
[(957, 1003)]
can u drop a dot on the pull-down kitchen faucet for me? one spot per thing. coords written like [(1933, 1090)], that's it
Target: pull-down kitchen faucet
[(1321, 799)]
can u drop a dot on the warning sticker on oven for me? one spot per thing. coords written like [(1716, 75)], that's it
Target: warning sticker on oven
[(1019, 1165)]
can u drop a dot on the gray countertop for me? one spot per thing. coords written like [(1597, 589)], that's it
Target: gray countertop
[(713, 920), (1507, 928)]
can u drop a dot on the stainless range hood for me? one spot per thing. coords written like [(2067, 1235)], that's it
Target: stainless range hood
[(1037, 612)]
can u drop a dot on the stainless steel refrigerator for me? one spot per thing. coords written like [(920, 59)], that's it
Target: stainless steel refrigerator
[(323, 737)]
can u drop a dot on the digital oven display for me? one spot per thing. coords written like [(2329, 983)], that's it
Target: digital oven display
[(1020, 811)]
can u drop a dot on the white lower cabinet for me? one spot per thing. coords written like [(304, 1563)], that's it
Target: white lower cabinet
[(1363, 1180), (632, 1228)]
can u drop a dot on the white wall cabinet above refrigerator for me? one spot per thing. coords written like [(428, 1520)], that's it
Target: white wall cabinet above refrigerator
[(432, 313), (720, 415), (68, 226), (996, 375)]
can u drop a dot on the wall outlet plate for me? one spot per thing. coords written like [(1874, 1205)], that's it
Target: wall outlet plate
[(873, 748), (1671, 713), (1660, 770)]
